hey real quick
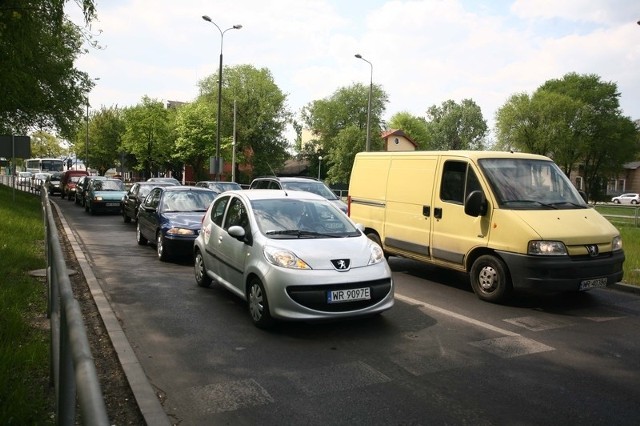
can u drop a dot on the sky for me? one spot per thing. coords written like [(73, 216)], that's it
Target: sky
[(422, 52)]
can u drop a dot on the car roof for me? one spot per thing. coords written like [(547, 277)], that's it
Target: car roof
[(272, 194), (184, 188), (289, 178)]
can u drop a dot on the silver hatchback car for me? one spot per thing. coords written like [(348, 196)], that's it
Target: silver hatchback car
[(292, 255)]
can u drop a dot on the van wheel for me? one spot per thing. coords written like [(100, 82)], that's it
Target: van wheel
[(490, 279), (259, 305)]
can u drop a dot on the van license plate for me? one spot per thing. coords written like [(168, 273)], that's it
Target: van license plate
[(338, 296), (595, 283)]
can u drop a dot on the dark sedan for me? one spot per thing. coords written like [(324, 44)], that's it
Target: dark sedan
[(135, 196), (171, 217)]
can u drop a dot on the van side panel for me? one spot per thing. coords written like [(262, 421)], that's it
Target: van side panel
[(409, 204), (367, 191)]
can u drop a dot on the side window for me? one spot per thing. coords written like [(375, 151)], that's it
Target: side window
[(274, 185), (217, 211), (237, 215), (458, 181), (153, 198), (453, 181)]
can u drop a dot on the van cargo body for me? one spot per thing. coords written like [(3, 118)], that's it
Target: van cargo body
[(510, 220)]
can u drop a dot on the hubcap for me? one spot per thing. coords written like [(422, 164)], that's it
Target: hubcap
[(255, 302), (488, 278), (159, 245)]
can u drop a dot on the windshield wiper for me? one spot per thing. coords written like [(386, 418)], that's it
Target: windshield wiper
[(301, 233), (551, 206)]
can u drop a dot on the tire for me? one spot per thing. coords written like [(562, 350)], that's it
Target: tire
[(86, 207), (616, 201), (202, 279), (490, 279), (634, 202), (141, 240), (125, 217), (161, 249), (259, 305)]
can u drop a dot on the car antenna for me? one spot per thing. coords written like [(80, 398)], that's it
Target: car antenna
[(274, 174)]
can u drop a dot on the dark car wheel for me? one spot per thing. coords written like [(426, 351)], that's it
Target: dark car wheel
[(125, 216), (202, 279), (490, 279), (161, 249), (139, 237), (259, 305)]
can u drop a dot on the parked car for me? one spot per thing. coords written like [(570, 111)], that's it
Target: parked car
[(82, 188), (299, 184), (292, 256), (65, 185), (52, 184), (70, 188), (134, 197), (24, 179), (629, 198), (165, 179), (38, 180), (219, 186), (171, 217), (104, 195)]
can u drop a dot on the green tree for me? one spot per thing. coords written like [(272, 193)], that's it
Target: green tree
[(577, 121), (38, 47), (261, 117), (339, 125), (45, 144), (414, 127), (148, 136), (195, 142), (456, 126)]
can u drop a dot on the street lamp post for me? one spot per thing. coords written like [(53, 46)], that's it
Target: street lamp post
[(319, 165), (216, 160), (368, 145), (86, 145)]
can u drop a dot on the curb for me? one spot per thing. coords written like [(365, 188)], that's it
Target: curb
[(626, 287), (145, 396)]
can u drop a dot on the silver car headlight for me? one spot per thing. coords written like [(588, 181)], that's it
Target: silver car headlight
[(284, 258), (377, 255), (616, 244), (547, 248)]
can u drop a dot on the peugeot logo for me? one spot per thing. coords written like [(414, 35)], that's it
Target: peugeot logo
[(341, 264), (592, 249)]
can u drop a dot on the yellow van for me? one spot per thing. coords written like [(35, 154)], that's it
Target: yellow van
[(510, 220)]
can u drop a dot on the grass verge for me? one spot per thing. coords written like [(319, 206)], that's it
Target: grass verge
[(26, 397)]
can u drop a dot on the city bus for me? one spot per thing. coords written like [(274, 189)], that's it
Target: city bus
[(36, 165)]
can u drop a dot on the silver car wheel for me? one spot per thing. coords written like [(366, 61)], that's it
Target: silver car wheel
[(160, 248), (258, 305), (202, 279)]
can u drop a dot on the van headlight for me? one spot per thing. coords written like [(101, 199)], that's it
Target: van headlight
[(616, 244), (546, 248), (284, 258)]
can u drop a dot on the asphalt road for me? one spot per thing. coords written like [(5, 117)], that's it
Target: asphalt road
[(440, 356)]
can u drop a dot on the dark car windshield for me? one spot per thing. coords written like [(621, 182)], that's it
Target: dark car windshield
[(187, 201), (311, 186)]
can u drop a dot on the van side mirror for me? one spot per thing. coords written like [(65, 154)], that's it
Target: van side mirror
[(476, 204)]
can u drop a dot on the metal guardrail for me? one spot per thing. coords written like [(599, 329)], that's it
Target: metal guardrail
[(620, 214), (72, 365)]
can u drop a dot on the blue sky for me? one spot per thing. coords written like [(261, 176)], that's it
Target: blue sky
[(423, 52)]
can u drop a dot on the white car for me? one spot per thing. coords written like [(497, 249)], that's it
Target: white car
[(292, 255), (629, 198)]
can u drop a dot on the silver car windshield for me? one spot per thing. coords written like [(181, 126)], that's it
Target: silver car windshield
[(312, 186), (294, 218), (527, 184)]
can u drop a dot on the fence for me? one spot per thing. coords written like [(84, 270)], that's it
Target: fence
[(618, 215), (71, 363)]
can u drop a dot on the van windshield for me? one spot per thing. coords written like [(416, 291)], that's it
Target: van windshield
[(526, 184)]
